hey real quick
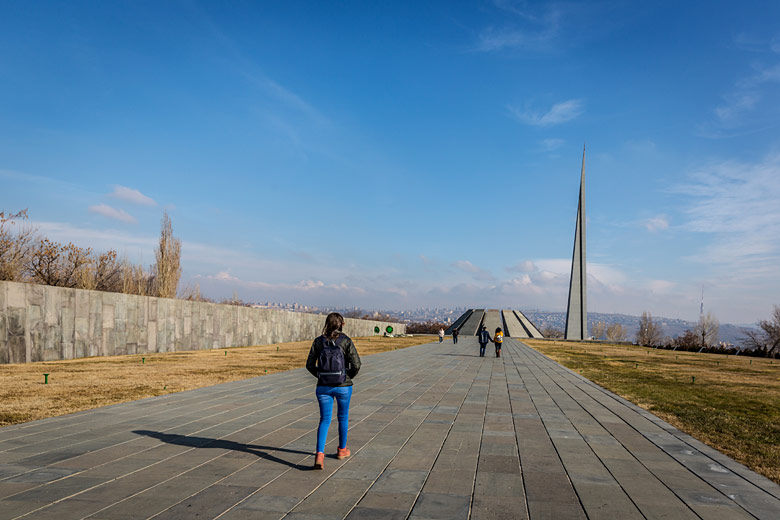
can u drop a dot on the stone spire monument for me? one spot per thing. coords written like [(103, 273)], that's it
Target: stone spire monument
[(577, 311)]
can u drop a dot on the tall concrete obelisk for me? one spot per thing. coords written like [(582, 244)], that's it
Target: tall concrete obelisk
[(577, 311)]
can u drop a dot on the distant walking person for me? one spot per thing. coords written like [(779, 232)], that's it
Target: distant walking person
[(498, 340), (334, 361), (484, 339), (455, 335), (441, 335)]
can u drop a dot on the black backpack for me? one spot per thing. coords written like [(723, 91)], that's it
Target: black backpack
[(331, 367), (484, 336)]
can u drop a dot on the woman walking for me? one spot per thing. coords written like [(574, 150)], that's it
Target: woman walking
[(498, 340), (334, 361)]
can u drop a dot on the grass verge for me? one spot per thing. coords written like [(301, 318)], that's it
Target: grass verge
[(82, 384), (733, 405)]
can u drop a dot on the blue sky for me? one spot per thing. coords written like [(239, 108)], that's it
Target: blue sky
[(407, 155)]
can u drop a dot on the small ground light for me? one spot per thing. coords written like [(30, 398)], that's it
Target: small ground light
[(45, 379), (226, 352), (277, 348), (693, 379), (143, 360), (636, 365)]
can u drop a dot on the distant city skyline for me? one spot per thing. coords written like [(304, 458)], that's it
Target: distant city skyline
[(408, 155)]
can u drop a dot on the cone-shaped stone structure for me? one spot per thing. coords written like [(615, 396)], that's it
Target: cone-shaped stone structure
[(577, 311)]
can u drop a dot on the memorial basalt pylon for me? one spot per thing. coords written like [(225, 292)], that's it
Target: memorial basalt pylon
[(576, 310)]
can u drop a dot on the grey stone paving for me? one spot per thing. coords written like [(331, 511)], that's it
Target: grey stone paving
[(436, 432)]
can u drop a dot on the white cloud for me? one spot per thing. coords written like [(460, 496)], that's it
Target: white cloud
[(735, 106), (550, 145), (534, 29), (661, 286), (523, 267), (558, 113), (101, 239), (116, 214), (492, 39), (131, 195), (750, 103), (224, 276), (465, 265), (655, 224), (738, 206), (291, 289), (476, 272)]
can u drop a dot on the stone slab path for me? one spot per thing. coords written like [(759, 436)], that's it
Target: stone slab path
[(436, 432)]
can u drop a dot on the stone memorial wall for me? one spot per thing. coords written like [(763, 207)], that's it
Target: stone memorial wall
[(44, 323)]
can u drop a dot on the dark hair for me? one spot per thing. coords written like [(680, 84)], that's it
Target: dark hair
[(498, 329), (333, 325)]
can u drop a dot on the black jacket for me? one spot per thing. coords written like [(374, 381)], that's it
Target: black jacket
[(351, 358)]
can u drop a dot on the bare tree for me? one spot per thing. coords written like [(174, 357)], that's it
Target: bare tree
[(192, 293), (52, 263), (767, 338), (15, 246), (650, 332), (597, 329), (707, 330), (428, 327), (167, 269), (616, 332), (552, 332), (103, 272), (686, 341), (135, 280)]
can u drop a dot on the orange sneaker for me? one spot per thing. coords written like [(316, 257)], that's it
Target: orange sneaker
[(319, 460), (343, 453)]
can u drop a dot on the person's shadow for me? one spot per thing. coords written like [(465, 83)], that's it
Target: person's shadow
[(205, 442)]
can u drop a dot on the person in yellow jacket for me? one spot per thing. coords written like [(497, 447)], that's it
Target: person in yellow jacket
[(498, 339)]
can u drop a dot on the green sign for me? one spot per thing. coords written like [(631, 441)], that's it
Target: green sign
[(376, 330), (389, 329)]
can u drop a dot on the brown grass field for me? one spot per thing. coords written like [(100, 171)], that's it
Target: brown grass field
[(733, 406), (82, 384)]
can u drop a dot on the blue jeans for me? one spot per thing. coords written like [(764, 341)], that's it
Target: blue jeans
[(325, 397)]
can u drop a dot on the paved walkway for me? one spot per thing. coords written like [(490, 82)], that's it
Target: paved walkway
[(436, 432)]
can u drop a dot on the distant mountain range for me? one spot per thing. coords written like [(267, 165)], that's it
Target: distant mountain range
[(672, 327)]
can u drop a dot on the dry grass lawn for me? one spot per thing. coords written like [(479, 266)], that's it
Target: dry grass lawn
[(733, 406), (82, 384)]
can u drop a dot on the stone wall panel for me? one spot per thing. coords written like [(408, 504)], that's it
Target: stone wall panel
[(40, 323)]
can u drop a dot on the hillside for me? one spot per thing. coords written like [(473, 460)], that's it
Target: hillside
[(671, 326)]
